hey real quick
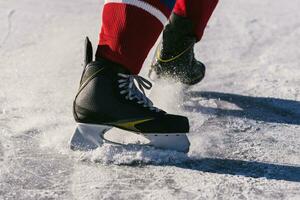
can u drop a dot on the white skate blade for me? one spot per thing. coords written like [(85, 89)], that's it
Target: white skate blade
[(91, 136), (88, 136), (177, 142)]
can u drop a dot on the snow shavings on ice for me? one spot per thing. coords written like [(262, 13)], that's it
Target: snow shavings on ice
[(133, 154), (244, 116)]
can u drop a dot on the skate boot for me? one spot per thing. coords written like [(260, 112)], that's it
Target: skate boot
[(110, 97), (174, 56)]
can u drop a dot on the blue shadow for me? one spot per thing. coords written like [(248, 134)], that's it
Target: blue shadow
[(266, 109), (244, 168)]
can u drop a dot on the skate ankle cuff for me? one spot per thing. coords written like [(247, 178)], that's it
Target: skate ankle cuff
[(181, 25), (116, 67)]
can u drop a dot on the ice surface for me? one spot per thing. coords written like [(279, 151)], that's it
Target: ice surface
[(244, 116)]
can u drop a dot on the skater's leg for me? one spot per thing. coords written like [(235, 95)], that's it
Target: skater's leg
[(199, 11), (130, 28)]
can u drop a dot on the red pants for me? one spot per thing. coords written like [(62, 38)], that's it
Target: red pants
[(131, 27)]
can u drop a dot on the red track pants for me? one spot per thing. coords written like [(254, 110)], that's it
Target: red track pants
[(131, 27)]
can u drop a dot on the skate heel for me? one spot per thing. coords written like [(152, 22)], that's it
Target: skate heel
[(88, 136), (177, 142)]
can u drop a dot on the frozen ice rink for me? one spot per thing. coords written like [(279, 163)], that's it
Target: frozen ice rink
[(245, 115)]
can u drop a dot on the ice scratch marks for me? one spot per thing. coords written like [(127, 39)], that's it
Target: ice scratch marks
[(9, 27), (30, 170)]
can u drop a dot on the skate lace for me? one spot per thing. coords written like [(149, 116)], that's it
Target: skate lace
[(128, 88)]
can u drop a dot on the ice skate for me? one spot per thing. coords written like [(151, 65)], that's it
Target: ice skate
[(174, 57), (110, 97)]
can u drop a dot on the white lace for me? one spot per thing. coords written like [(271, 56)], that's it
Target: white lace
[(127, 84)]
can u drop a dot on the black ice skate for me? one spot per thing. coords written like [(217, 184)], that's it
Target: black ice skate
[(109, 96), (175, 54)]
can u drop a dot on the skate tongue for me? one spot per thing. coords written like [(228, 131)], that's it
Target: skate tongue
[(88, 56)]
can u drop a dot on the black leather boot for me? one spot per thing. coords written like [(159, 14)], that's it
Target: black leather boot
[(174, 56)]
